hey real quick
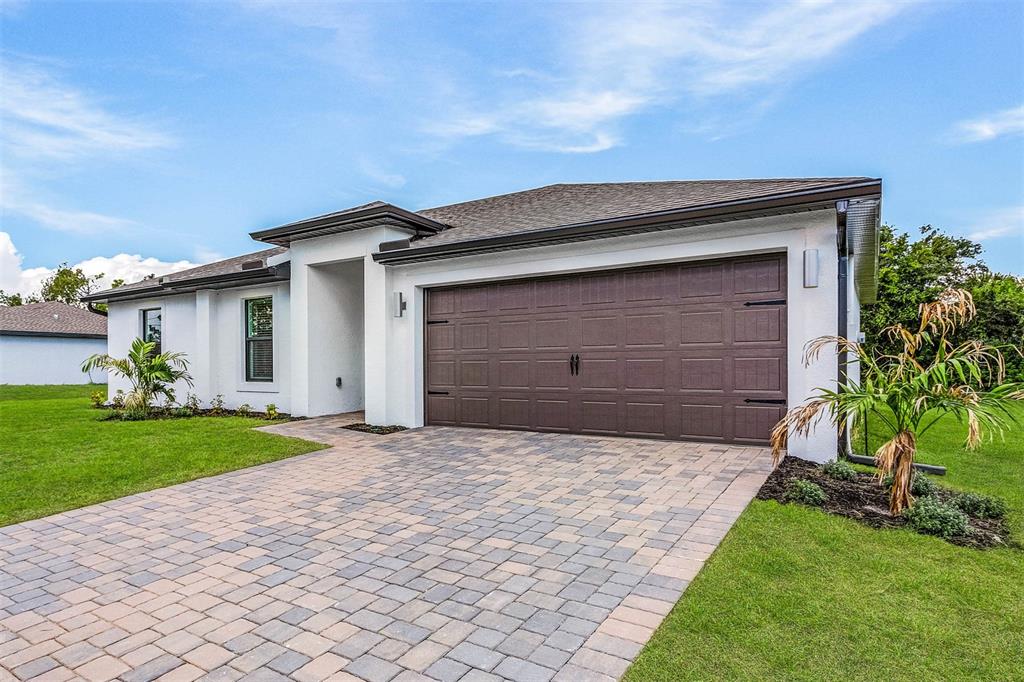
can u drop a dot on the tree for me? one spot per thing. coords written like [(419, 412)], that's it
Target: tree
[(928, 377), (14, 299), (151, 374), (68, 285), (911, 273)]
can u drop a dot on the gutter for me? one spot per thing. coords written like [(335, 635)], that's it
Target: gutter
[(275, 273), (843, 255), (808, 200), (330, 224), (53, 335)]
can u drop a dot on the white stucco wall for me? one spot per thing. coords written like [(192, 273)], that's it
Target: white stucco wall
[(208, 326), (811, 311), (48, 360)]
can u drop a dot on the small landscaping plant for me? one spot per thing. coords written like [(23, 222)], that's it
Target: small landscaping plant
[(117, 402), (932, 516), (272, 412), (980, 506), (244, 410), (805, 492), (935, 373), (97, 399), (920, 484), (217, 405), (192, 403), (839, 469), (151, 374)]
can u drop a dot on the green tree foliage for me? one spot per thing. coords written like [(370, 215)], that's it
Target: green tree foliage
[(68, 285), (15, 298), (912, 272)]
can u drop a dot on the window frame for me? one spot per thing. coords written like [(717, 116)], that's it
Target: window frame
[(143, 313), (247, 374)]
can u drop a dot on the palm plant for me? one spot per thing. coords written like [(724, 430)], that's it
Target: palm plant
[(910, 390), (151, 374)]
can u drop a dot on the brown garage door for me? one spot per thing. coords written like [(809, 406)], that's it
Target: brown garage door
[(693, 351)]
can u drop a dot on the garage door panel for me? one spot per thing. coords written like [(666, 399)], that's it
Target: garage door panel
[(671, 351)]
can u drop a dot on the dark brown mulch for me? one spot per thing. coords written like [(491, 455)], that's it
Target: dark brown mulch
[(377, 430), (164, 413), (864, 500)]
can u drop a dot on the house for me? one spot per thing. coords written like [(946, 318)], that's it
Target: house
[(671, 310), (46, 343)]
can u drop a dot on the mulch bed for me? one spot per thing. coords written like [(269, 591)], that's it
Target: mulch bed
[(164, 413), (376, 430), (864, 500)]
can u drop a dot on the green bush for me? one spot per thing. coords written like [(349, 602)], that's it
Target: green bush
[(931, 516), (244, 410), (217, 404), (839, 469), (805, 492), (272, 412), (97, 399), (921, 485), (980, 506), (192, 403), (117, 402)]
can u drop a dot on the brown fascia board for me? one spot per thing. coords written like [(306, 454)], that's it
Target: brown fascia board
[(788, 202), (56, 335), (347, 222), (277, 273)]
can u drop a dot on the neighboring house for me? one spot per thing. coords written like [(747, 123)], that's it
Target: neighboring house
[(661, 309), (46, 343)]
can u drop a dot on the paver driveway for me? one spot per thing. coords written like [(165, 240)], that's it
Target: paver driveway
[(444, 553)]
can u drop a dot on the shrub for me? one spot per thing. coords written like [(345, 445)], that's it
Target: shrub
[(97, 399), (244, 410), (217, 404), (980, 506), (151, 374), (805, 492), (920, 485), (272, 412), (182, 411), (839, 469), (192, 403), (932, 516), (117, 402)]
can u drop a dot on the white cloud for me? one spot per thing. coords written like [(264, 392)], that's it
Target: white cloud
[(129, 267), (45, 118), (375, 172), (985, 128), (1006, 222), (622, 59)]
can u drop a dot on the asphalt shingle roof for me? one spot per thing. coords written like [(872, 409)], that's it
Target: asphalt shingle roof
[(221, 267), (570, 204), (51, 317)]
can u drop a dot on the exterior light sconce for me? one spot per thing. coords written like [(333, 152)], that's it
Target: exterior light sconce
[(399, 304), (810, 268)]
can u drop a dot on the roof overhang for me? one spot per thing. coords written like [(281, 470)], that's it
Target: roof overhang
[(167, 287), (706, 214), (381, 215)]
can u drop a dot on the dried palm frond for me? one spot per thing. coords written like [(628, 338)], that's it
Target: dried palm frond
[(896, 458)]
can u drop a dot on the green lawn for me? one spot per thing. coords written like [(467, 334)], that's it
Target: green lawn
[(795, 594), (56, 454)]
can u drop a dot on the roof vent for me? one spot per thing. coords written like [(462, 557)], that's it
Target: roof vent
[(252, 265)]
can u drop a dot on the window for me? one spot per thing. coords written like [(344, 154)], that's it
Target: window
[(151, 327), (259, 339)]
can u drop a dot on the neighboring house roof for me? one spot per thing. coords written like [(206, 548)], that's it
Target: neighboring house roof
[(250, 268), (51, 318)]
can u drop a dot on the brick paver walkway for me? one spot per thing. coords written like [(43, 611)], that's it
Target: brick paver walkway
[(437, 553)]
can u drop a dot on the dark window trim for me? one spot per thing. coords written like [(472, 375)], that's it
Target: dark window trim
[(246, 302), (142, 322)]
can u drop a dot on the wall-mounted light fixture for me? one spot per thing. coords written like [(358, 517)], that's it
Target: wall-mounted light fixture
[(399, 304), (810, 268)]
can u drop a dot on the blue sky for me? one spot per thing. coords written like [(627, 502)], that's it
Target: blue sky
[(139, 137)]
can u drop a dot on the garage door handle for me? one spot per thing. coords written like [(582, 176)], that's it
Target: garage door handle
[(778, 301), (765, 402), (437, 392), (574, 364)]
